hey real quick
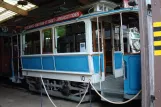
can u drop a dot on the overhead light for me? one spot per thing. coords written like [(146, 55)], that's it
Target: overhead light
[(7, 14), (2, 9), (22, 2), (22, 5)]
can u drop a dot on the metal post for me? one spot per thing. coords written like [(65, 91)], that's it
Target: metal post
[(12, 64), (98, 35), (145, 52), (113, 47), (18, 59), (121, 34), (156, 16)]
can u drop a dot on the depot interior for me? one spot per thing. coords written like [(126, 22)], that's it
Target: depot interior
[(16, 14)]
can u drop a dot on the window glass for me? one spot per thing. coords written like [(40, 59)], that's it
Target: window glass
[(125, 45), (47, 41), (95, 37), (31, 43), (71, 38), (117, 42)]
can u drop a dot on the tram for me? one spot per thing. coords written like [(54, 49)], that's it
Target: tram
[(9, 55), (71, 50)]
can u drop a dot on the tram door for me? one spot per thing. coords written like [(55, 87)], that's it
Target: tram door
[(5, 56), (117, 52)]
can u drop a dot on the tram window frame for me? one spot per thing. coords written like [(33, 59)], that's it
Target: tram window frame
[(44, 46), (25, 44), (74, 38), (95, 37)]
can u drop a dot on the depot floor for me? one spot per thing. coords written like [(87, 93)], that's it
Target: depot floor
[(13, 97)]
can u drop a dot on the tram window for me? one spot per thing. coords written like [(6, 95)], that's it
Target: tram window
[(71, 38), (117, 44), (117, 37), (125, 45), (32, 43), (47, 41)]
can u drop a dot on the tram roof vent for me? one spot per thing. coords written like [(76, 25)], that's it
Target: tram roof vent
[(104, 5)]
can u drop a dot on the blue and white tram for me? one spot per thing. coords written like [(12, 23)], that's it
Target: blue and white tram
[(71, 50)]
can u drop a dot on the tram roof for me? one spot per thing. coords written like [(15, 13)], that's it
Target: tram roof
[(92, 15), (111, 12)]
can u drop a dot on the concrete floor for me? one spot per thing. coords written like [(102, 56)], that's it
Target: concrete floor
[(13, 97)]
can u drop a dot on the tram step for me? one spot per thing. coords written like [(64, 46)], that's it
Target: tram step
[(111, 84), (113, 91), (113, 97)]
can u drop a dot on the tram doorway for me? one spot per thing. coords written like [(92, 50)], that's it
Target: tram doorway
[(119, 41), (105, 43), (115, 42)]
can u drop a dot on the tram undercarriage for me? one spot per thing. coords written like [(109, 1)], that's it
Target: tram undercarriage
[(62, 89)]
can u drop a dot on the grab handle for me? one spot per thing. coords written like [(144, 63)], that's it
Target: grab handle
[(125, 70)]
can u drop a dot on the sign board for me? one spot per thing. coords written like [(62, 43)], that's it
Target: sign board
[(55, 19), (83, 47)]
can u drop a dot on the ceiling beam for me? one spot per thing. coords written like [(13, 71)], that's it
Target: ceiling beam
[(13, 8), (84, 1)]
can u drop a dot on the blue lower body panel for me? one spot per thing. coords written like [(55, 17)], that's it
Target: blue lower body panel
[(31, 62), (76, 63), (96, 63), (48, 63), (132, 82), (72, 63), (118, 60)]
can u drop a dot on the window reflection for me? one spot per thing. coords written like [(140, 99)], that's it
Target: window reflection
[(32, 43), (71, 38), (47, 41)]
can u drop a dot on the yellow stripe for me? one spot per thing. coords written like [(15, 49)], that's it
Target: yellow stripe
[(157, 43), (158, 52), (156, 34), (156, 24)]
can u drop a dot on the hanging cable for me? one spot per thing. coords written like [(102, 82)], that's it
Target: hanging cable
[(83, 96), (54, 103), (112, 102), (90, 9), (47, 93), (41, 93), (122, 49), (119, 103), (90, 89)]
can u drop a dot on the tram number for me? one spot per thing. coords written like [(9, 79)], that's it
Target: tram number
[(83, 78)]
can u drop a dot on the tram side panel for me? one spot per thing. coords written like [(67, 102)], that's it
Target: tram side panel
[(132, 81), (70, 62), (67, 71)]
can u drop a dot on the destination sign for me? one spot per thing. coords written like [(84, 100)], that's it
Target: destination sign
[(55, 19)]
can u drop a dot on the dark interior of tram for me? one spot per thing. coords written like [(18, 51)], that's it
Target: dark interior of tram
[(110, 22)]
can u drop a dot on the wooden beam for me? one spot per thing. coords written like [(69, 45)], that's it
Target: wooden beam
[(156, 16), (147, 57), (13, 8), (84, 1)]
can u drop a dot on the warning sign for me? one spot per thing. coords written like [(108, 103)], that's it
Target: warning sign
[(157, 38)]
